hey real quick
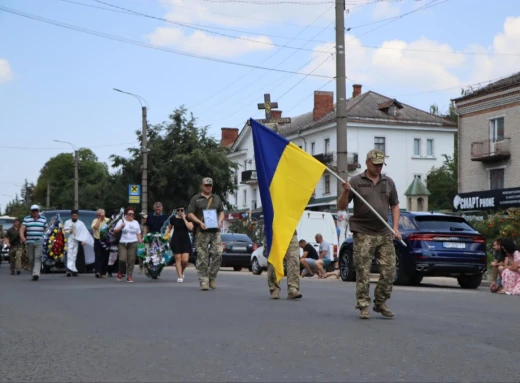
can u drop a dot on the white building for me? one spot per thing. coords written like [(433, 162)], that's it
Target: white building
[(413, 141)]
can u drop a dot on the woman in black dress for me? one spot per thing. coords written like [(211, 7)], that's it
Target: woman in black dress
[(180, 242)]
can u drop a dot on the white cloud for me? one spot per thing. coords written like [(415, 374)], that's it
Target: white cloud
[(5, 71), (202, 43), (384, 9), (400, 64)]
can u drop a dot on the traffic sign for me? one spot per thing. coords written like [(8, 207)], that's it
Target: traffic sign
[(134, 199), (134, 190)]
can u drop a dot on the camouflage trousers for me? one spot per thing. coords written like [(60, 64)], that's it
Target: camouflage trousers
[(209, 255), (292, 265), (365, 247)]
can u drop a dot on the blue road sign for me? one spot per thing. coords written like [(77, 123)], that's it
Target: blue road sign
[(134, 190)]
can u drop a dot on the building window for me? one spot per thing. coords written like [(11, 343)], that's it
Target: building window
[(429, 147), (327, 184), (244, 203), (379, 143), (417, 147), (253, 201), (235, 178), (496, 127), (313, 145), (327, 145), (496, 179)]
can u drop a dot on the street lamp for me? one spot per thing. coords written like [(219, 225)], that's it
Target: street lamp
[(76, 177), (144, 151)]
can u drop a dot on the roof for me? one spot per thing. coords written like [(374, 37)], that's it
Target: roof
[(494, 86), (369, 107), (417, 187)]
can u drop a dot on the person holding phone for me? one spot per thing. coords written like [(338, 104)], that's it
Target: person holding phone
[(180, 242)]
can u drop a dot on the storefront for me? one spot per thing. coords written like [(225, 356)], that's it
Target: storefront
[(487, 201)]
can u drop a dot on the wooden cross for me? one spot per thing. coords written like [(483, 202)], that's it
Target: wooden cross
[(268, 106)]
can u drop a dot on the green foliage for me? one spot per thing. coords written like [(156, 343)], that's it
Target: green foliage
[(180, 155), (504, 224), (58, 172), (443, 184), (252, 228)]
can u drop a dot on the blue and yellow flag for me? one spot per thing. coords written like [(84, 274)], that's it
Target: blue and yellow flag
[(287, 177)]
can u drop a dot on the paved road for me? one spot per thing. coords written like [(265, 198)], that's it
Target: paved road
[(84, 330)]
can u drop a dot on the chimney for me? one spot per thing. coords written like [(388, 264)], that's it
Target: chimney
[(229, 135), (276, 113), (356, 90), (323, 104)]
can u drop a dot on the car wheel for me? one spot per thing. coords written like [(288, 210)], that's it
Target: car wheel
[(416, 280), (347, 271), (401, 277), (470, 281), (237, 268), (255, 267)]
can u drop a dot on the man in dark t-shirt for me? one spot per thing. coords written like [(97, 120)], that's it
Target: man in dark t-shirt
[(309, 258)]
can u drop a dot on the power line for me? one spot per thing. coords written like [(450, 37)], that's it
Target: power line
[(207, 30), (265, 74), (202, 26), (138, 43), (40, 148)]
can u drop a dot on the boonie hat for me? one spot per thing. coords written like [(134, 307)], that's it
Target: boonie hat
[(207, 181), (376, 156)]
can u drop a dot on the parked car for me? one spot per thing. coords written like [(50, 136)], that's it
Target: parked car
[(85, 259), (237, 249), (438, 245), (311, 223)]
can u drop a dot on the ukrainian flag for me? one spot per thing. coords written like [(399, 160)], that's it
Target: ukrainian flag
[(287, 177)]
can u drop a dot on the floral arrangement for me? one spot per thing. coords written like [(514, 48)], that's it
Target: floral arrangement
[(157, 255), (106, 232), (54, 246)]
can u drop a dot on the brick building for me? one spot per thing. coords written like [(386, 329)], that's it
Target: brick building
[(489, 146)]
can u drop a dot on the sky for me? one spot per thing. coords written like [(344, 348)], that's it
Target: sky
[(218, 58)]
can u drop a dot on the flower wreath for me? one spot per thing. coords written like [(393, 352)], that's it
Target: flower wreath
[(107, 237), (157, 256), (54, 246)]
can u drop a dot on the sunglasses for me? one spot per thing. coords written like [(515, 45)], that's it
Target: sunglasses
[(208, 185), (129, 213), (181, 209)]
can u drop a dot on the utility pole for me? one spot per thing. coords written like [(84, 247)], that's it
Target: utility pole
[(76, 180), (144, 177), (341, 95)]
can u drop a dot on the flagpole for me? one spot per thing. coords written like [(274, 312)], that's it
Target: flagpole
[(366, 203)]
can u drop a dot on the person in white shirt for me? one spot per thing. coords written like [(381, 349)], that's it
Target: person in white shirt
[(325, 256), (77, 234), (130, 236)]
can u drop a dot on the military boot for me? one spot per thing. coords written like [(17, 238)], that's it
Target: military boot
[(212, 284), (204, 286), (275, 294), (364, 313), (294, 295), (383, 310)]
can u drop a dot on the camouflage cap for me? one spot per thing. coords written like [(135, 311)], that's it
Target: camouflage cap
[(376, 156), (207, 181)]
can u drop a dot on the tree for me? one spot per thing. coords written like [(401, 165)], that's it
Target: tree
[(58, 174), (180, 154), (443, 184)]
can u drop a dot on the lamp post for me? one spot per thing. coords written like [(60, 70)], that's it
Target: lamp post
[(144, 152), (76, 177)]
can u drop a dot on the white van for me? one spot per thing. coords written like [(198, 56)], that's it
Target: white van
[(311, 223)]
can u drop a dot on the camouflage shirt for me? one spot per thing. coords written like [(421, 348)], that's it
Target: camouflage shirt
[(199, 203)]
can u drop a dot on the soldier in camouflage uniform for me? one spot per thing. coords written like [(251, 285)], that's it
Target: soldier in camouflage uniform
[(207, 237), (371, 236), (292, 265)]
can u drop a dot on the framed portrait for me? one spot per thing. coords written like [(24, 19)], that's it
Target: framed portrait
[(210, 218)]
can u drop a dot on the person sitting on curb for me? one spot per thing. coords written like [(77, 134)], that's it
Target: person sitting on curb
[(498, 255)]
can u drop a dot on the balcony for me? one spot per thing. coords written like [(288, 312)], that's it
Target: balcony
[(324, 158), (490, 151), (249, 177)]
